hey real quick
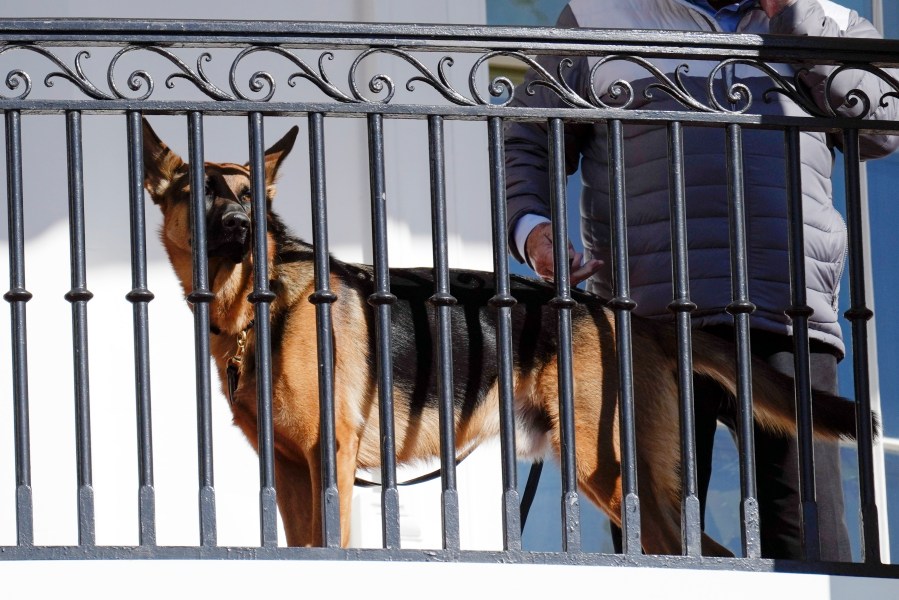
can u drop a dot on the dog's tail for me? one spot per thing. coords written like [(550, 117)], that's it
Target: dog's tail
[(774, 405)]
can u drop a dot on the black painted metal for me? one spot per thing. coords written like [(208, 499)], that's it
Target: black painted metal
[(503, 302), (382, 300), (106, 32), (859, 314), (681, 306), (799, 311), (323, 297), (79, 295), (140, 297), (563, 303), (18, 296), (741, 308), (422, 111), (406, 43), (443, 300), (622, 305), (262, 298), (419, 48), (201, 297)]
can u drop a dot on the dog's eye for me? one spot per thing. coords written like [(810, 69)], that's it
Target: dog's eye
[(208, 191), (246, 196)]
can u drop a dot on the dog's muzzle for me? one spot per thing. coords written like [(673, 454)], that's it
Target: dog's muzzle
[(236, 223), (229, 234)]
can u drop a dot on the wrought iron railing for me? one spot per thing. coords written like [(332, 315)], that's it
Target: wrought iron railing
[(432, 73)]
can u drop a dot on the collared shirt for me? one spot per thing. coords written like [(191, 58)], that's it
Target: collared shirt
[(729, 16)]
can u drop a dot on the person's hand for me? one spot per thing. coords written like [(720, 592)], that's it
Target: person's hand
[(773, 7), (539, 248)]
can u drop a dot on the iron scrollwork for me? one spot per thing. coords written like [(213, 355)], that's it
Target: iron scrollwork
[(620, 94), (140, 78), (262, 79), (76, 75), (378, 83)]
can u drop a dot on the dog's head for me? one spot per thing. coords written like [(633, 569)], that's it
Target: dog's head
[(227, 190)]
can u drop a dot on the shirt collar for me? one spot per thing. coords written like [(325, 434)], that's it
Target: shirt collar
[(729, 16), (735, 6)]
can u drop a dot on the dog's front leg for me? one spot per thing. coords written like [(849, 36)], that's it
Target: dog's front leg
[(299, 500)]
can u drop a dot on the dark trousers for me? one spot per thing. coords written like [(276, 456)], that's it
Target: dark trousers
[(777, 458)]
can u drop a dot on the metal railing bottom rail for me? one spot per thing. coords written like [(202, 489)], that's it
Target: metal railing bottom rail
[(761, 565)]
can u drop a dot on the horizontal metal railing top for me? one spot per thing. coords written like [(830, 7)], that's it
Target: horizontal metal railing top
[(432, 73)]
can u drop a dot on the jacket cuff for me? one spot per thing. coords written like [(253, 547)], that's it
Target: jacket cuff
[(523, 228)]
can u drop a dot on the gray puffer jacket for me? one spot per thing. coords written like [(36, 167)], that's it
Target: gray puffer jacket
[(646, 174)]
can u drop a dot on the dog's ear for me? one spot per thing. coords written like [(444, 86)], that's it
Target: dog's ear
[(276, 154), (160, 163)]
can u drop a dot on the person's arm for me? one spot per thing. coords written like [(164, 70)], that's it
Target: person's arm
[(808, 17), (528, 185), (527, 168)]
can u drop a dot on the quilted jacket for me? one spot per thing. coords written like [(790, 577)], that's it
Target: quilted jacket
[(646, 170)]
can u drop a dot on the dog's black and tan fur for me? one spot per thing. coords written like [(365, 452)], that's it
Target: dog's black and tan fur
[(295, 364)]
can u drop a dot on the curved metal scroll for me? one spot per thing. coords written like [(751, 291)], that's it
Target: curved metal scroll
[(620, 94)]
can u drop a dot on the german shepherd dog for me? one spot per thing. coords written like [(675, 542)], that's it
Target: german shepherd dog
[(295, 365)]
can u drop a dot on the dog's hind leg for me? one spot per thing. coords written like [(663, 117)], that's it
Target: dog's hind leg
[(659, 513), (297, 489)]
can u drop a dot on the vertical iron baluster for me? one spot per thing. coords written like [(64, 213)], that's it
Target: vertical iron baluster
[(322, 298), (18, 296), (140, 297), (200, 297), (622, 304), (382, 300), (503, 302), (800, 312), (443, 301), (682, 306), (859, 314), (741, 308), (79, 296), (262, 298), (563, 303)]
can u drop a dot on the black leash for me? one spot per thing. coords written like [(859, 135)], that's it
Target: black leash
[(235, 367), (365, 483), (530, 490)]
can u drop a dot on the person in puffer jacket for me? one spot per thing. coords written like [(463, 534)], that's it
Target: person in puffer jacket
[(649, 238)]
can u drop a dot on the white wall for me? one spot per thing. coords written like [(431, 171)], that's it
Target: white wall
[(413, 580), (110, 316)]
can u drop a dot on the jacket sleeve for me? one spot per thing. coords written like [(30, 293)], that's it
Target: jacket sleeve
[(527, 145), (808, 17)]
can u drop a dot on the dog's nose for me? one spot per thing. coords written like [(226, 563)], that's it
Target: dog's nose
[(236, 221)]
